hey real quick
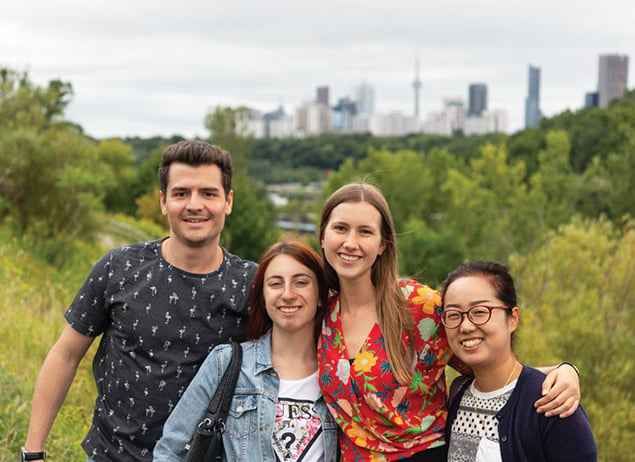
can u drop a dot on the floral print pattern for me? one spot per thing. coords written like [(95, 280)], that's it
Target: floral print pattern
[(382, 420)]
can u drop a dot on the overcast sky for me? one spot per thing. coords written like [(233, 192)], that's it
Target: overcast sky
[(148, 68)]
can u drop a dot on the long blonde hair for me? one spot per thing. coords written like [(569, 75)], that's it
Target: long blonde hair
[(392, 307)]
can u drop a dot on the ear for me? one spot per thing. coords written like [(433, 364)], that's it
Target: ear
[(514, 319), (229, 203), (164, 207), (382, 247)]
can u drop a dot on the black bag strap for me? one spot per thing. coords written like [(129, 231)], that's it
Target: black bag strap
[(218, 409)]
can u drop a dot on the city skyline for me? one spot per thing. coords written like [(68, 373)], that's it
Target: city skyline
[(146, 69)]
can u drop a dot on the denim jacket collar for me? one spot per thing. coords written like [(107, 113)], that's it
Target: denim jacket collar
[(263, 354)]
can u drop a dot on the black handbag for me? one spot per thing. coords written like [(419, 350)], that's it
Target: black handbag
[(207, 443)]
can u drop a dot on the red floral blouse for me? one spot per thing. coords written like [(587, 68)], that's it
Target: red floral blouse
[(380, 419)]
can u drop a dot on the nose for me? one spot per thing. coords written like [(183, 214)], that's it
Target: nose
[(466, 325), (195, 201), (350, 241), (288, 293)]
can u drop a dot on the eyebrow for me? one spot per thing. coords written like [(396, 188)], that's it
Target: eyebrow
[(470, 305), (362, 226), (277, 276), (204, 188)]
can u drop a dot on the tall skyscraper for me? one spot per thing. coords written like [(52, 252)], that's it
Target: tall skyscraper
[(416, 86), (478, 99), (612, 78), (323, 95), (532, 102), (365, 97)]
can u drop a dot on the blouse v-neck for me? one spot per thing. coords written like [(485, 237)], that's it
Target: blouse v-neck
[(369, 336)]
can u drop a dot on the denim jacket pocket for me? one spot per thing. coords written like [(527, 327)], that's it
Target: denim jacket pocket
[(243, 416)]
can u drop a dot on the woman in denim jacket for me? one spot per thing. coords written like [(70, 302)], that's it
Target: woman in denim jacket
[(277, 411)]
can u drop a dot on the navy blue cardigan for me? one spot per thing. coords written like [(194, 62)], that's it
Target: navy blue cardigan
[(526, 436)]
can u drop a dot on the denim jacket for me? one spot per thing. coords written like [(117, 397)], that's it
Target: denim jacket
[(249, 427)]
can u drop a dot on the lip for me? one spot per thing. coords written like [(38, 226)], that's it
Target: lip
[(471, 343), (349, 258), (195, 220), (289, 309)]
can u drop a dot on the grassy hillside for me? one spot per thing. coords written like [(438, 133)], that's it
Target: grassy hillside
[(33, 298)]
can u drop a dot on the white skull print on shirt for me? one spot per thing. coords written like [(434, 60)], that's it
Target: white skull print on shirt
[(158, 324)]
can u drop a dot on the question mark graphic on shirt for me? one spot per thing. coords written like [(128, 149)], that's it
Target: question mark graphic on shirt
[(290, 437)]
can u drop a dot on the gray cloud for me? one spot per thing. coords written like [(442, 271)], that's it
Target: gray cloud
[(147, 68)]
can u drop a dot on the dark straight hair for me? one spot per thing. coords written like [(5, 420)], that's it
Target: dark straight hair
[(498, 276)]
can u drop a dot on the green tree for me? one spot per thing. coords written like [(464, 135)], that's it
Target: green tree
[(577, 293), (250, 227), (610, 184), (119, 191), (52, 188), (23, 104), (149, 208), (146, 189), (489, 207), (52, 180), (555, 188), (428, 255), (523, 146)]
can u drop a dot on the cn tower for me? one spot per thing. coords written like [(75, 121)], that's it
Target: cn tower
[(416, 85)]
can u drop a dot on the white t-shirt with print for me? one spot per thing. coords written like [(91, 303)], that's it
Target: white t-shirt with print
[(297, 431)]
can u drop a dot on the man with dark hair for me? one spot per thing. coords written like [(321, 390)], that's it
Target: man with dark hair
[(160, 307)]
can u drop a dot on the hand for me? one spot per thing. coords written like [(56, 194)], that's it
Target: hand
[(560, 392)]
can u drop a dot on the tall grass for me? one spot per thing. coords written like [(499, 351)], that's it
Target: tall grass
[(33, 299)]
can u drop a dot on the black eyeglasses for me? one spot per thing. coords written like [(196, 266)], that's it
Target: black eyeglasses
[(478, 314)]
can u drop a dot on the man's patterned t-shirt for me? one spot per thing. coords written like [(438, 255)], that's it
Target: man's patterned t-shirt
[(158, 324)]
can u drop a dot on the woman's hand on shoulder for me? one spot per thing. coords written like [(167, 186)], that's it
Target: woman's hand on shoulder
[(561, 392)]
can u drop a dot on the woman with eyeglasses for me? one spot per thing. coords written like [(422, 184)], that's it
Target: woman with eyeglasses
[(492, 417)]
